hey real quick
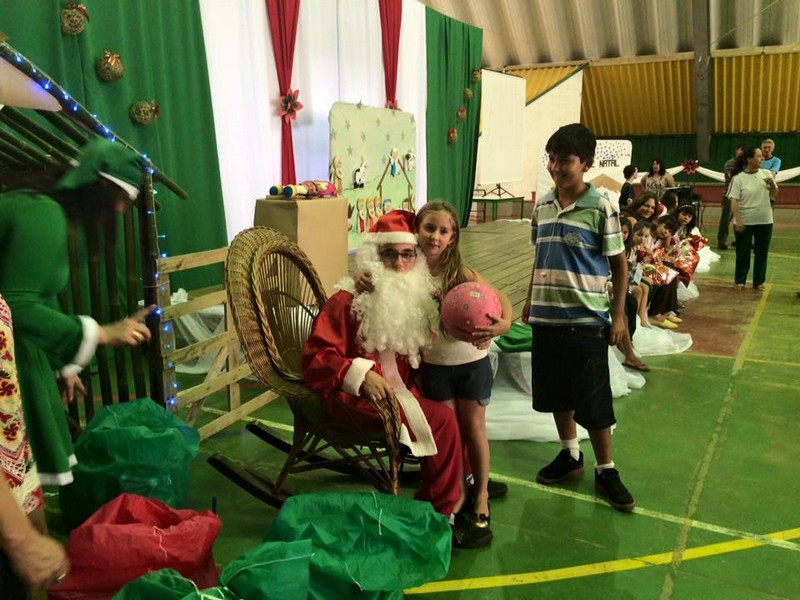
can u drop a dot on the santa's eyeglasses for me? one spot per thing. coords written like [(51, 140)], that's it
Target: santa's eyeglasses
[(391, 256)]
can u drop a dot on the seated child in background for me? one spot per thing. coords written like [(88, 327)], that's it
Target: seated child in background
[(665, 233), (642, 241), (685, 253), (686, 220), (669, 202), (637, 286), (688, 233), (633, 306), (663, 283)]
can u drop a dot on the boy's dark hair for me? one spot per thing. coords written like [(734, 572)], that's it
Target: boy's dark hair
[(669, 222), (572, 139), (628, 171), (670, 200)]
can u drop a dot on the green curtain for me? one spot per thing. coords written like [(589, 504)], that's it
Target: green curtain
[(162, 50), (454, 51)]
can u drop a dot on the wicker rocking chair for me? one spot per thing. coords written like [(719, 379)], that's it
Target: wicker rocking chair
[(274, 294)]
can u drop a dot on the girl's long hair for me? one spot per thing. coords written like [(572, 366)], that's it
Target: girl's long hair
[(688, 209), (625, 222), (741, 162), (634, 205), (661, 169), (451, 268)]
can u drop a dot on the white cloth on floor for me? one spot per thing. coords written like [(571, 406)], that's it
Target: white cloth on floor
[(510, 416), (689, 292), (707, 258), (655, 341)]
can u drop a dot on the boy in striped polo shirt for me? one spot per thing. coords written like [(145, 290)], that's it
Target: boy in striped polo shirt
[(577, 236)]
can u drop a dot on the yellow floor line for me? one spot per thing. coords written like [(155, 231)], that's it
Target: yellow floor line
[(762, 361), (776, 363), (751, 331), (781, 255), (653, 514), (613, 566), (708, 355), (790, 287), (682, 538)]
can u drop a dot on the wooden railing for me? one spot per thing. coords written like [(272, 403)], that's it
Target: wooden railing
[(226, 371)]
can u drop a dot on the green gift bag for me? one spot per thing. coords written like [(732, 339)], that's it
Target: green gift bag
[(271, 571), (367, 545), (165, 584), (136, 447)]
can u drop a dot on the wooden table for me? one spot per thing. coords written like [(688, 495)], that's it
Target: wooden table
[(495, 200)]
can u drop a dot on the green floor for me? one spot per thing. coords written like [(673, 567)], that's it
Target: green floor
[(709, 448)]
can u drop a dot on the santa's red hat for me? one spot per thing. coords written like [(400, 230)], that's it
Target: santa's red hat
[(395, 227)]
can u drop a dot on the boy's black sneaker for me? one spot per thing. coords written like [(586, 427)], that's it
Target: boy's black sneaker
[(471, 535), (496, 489), (563, 467), (610, 486)]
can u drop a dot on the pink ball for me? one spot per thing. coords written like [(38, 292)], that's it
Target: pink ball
[(465, 307)]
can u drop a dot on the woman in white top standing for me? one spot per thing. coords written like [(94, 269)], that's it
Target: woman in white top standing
[(751, 190)]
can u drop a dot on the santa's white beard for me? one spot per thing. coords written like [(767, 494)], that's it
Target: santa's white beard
[(400, 314)]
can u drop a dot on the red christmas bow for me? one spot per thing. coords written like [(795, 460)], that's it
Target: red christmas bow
[(290, 105), (80, 8)]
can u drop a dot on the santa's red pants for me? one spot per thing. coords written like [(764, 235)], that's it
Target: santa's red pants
[(441, 473)]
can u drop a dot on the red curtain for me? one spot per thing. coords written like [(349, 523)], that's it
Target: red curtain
[(391, 17), (283, 26)]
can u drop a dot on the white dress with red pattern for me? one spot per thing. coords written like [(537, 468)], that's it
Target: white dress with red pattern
[(16, 461)]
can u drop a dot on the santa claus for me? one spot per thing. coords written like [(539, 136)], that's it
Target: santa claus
[(364, 346)]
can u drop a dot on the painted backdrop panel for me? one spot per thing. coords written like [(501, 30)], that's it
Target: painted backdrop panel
[(373, 162)]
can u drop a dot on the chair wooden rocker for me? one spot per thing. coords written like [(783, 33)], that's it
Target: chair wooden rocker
[(274, 294)]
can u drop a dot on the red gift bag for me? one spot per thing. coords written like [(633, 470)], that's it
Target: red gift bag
[(132, 535)]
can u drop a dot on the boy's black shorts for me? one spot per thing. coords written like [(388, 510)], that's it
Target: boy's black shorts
[(570, 372)]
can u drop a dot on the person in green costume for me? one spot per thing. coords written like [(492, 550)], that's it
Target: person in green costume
[(34, 268)]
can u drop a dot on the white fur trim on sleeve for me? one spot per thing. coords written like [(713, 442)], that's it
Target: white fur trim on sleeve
[(356, 374), (91, 333)]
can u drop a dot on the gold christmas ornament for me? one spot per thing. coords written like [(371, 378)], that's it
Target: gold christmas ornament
[(467, 94), (109, 66), (144, 112), (476, 75), (73, 18)]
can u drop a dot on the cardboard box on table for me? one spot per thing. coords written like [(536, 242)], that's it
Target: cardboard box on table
[(317, 225)]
